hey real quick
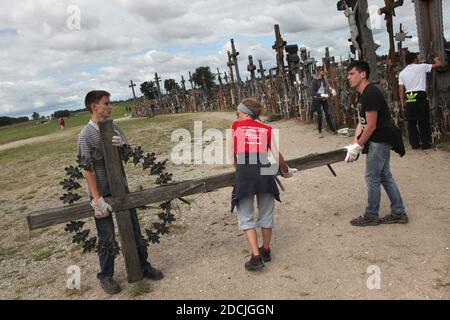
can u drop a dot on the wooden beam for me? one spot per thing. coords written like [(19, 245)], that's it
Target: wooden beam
[(49, 217), (119, 190)]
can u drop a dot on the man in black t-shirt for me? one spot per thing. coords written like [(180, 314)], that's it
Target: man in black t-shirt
[(374, 134)]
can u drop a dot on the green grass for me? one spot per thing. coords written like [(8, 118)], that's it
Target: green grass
[(140, 289), (7, 253), (43, 254), (28, 169), (30, 129), (38, 165)]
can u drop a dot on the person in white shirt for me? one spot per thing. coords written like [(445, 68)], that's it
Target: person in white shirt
[(413, 82)]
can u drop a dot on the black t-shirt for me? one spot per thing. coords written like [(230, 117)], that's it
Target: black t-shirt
[(373, 100)]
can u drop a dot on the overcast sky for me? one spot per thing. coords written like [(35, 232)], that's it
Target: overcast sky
[(47, 63)]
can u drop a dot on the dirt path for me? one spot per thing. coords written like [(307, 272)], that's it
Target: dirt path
[(317, 254), (50, 137)]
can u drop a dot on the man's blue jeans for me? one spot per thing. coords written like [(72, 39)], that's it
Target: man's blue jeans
[(378, 173), (106, 233), (318, 104)]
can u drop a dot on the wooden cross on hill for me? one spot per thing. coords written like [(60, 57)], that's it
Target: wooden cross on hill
[(122, 200), (132, 85), (158, 89), (389, 12), (279, 48), (183, 84), (194, 99), (234, 55)]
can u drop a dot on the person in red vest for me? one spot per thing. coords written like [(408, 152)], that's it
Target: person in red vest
[(255, 175), (62, 123)]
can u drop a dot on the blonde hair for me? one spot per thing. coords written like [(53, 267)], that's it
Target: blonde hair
[(256, 107)]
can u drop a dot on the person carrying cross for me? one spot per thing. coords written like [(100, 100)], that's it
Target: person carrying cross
[(250, 143), (375, 136), (90, 151)]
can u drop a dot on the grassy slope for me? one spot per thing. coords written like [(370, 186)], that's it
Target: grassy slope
[(45, 161), (29, 181), (30, 129)]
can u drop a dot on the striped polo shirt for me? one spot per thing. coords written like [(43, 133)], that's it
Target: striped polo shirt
[(90, 147)]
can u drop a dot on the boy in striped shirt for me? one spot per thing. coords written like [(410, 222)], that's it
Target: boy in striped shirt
[(90, 150)]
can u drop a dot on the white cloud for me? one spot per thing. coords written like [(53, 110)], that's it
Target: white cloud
[(122, 40)]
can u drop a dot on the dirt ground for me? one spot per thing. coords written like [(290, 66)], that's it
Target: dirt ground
[(316, 253)]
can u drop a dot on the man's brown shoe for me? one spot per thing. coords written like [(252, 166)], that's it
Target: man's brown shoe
[(394, 218), (364, 222)]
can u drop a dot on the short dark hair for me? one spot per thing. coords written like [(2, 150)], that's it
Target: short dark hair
[(410, 57), (360, 66), (94, 97)]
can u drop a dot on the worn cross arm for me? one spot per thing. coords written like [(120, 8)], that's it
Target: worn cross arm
[(49, 217)]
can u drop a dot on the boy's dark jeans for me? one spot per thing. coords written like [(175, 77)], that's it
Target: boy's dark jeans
[(105, 232)]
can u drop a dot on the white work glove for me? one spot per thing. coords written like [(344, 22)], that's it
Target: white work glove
[(353, 151), (101, 208), (117, 141), (289, 173), (333, 92), (324, 95)]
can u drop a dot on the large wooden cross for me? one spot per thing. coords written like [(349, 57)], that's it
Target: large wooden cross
[(278, 46), (222, 98), (389, 12), (158, 89), (194, 99), (132, 85), (122, 200), (234, 55), (183, 84), (365, 35)]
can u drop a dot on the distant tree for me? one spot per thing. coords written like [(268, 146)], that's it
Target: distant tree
[(203, 77), (21, 119), (171, 85), (148, 89), (35, 116), (61, 114), (5, 121)]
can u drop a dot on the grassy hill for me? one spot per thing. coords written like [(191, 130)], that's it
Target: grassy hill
[(30, 129)]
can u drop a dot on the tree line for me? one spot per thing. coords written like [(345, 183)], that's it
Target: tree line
[(202, 77)]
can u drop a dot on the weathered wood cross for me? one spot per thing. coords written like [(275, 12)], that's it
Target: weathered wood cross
[(158, 89), (234, 55), (122, 200), (194, 99), (183, 84), (389, 12), (279, 48), (132, 85)]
